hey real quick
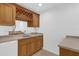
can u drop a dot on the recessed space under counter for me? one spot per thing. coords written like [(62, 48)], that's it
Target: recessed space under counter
[(17, 37), (69, 46)]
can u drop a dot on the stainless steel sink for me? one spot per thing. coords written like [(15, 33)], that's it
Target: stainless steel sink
[(15, 32), (26, 35)]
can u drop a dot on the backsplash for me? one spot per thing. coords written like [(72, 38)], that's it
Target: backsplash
[(20, 26), (4, 30)]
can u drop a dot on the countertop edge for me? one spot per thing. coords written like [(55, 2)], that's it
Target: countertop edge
[(32, 35), (69, 48)]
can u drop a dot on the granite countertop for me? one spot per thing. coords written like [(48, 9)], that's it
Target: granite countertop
[(71, 43), (8, 38)]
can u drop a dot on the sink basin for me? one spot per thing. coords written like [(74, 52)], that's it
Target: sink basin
[(26, 35), (15, 32)]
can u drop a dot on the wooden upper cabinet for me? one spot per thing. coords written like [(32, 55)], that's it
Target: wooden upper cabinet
[(24, 14), (7, 14), (35, 21)]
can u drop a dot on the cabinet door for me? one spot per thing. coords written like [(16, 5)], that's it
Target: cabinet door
[(23, 47), (31, 48), (23, 50), (34, 22), (35, 44), (38, 43), (7, 14)]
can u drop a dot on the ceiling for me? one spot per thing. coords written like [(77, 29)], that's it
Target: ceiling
[(38, 9)]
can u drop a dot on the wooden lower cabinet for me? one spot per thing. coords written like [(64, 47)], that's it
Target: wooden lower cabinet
[(23, 50), (66, 52), (31, 49), (28, 46)]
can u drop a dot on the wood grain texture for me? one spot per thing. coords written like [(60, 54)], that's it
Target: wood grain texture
[(29, 46), (66, 52), (24, 8), (34, 22), (7, 14), (24, 14)]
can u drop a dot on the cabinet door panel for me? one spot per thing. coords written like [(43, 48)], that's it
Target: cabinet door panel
[(31, 48), (23, 50), (1, 13), (23, 47), (37, 43), (34, 22), (7, 14)]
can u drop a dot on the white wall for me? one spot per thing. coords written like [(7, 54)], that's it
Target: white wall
[(58, 22)]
